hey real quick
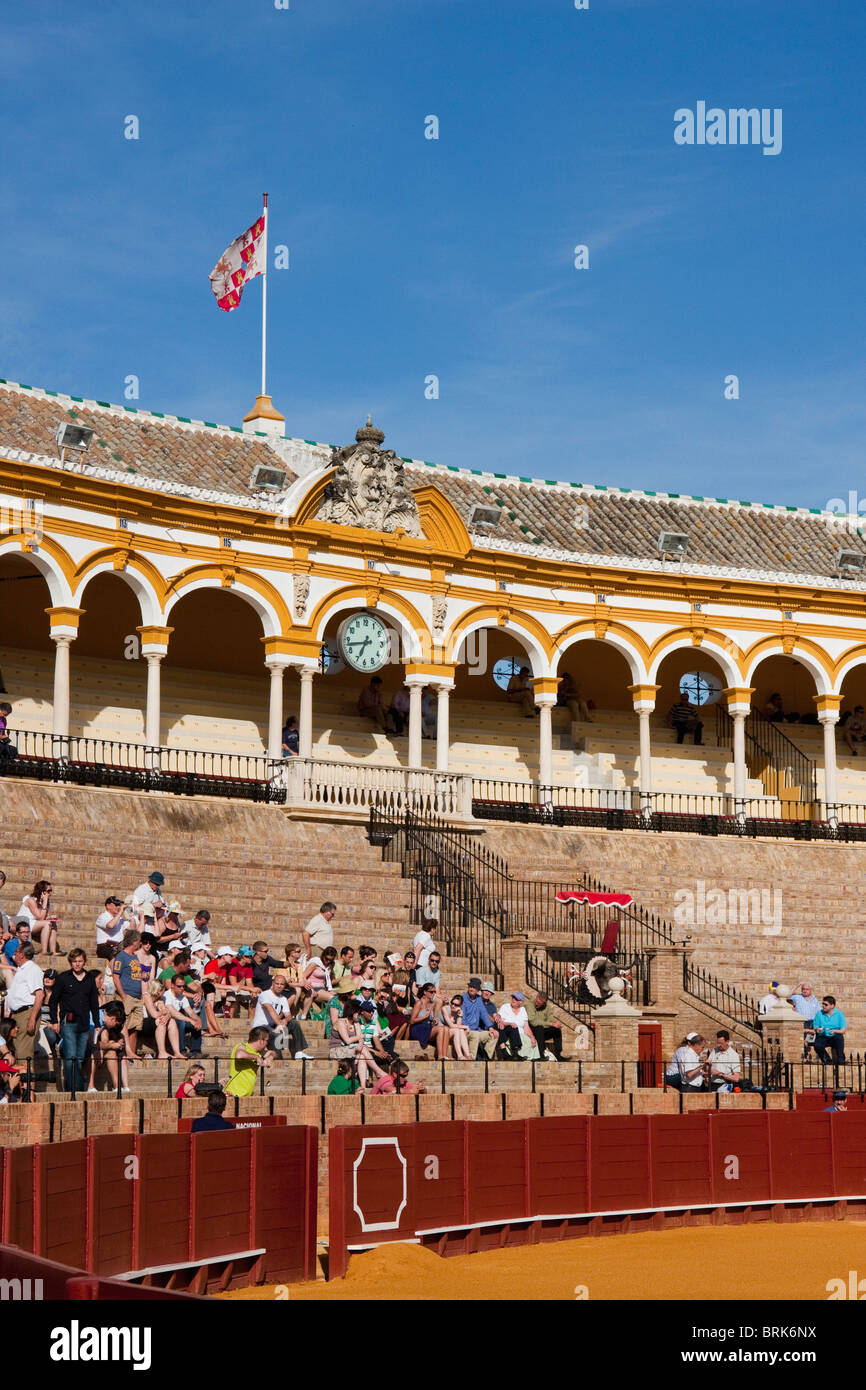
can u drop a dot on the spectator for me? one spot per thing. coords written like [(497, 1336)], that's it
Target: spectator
[(347, 1043), (854, 732), (725, 1068), (773, 710), (274, 1013), (128, 974), (829, 1024), (36, 910), (47, 1039), (429, 973), (345, 1083), (196, 930), (74, 1006), (317, 979), (478, 1021), (840, 1101), (519, 692), (428, 713), (770, 1000), (493, 1013), (243, 976), (569, 695), (398, 710), (10, 1084), (179, 1008), (372, 706), (402, 987), (5, 925), (423, 1026), (318, 934), (343, 990), (158, 1023), (19, 937), (7, 747), (396, 1079), (683, 717), (246, 1059), (262, 965), (685, 1071), (458, 1033), (8, 1034), (176, 961), (113, 1046), (806, 1002), (214, 1119), (379, 1046), (200, 996), (392, 1007), (194, 1077), (110, 926), (218, 972), (24, 1001), (146, 898), (515, 1033), (423, 943), (291, 738), (343, 967), (546, 1030)]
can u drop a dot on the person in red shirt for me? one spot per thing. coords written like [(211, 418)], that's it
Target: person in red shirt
[(386, 1084)]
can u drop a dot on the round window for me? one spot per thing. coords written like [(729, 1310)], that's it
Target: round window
[(702, 687), (507, 667), (331, 660)]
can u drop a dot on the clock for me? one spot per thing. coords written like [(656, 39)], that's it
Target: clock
[(364, 641)]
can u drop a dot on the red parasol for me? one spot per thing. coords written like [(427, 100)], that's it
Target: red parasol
[(583, 895)]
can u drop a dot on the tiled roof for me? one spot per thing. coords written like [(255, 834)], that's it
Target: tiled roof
[(576, 521)]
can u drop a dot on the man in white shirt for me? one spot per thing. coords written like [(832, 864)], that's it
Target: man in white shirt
[(24, 1001), (273, 1012), (110, 926), (725, 1066), (685, 1071), (424, 943), (515, 1022), (146, 898), (196, 931), (178, 1007), (318, 933), (770, 1000)]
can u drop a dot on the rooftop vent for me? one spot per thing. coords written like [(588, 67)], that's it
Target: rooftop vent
[(486, 516), (263, 476)]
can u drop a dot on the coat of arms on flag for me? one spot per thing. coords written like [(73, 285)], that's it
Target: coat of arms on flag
[(240, 262)]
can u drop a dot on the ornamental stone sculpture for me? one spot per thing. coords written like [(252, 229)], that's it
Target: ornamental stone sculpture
[(369, 487)]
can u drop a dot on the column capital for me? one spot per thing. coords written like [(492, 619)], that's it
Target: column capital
[(429, 673), (644, 696), (545, 685), (827, 707), (65, 620), (298, 650), (739, 698), (154, 639), (306, 673)]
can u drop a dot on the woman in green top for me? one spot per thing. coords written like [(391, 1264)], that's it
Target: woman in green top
[(344, 1083)]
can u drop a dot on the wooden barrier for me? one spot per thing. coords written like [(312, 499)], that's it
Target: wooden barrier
[(469, 1185)]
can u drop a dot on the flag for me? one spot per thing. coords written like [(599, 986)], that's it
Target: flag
[(240, 262)]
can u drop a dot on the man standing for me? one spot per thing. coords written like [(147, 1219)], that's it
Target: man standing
[(805, 1001), (128, 975), (683, 717), (318, 933), (73, 1009), (829, 1024), (546, 1029), (24, 1000), (478, 1020)]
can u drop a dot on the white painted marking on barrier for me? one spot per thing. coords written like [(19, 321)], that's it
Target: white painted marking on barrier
[(378, 1225)]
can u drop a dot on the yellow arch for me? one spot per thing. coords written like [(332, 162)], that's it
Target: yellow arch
[(61, 557), (217, 573), (132, 560), (710, 639), (856, 654), (362, 594), (803, 646), (489, 616), (592, 625)]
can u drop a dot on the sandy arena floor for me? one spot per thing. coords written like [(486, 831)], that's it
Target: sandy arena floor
[(786, 1262)]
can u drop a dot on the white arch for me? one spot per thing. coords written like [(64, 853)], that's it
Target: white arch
[(148, 603), (538, 661), (711, 648), (61, 594), (823, 684), (415, 646), (270, 621), (850, 665), (636, 666)]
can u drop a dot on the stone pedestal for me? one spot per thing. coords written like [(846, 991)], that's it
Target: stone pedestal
[(782, 1028), (514, 963), (616, 1034), (666, 965)]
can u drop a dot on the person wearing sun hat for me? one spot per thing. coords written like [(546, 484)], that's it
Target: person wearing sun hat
[(515, 1035), (147, 897)]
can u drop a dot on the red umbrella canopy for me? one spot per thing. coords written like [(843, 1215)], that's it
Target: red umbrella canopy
[(583, 895)]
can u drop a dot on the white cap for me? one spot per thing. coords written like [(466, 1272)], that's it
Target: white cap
[(226, 951)]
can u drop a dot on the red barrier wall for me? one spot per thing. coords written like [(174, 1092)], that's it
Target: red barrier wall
[(479, 1185), (114, 1204)]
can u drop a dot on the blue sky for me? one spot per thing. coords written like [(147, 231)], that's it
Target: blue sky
[(412, 257)]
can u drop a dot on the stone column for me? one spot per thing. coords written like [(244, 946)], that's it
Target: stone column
[(739, 705), (305, 717), (275, 707), (415, 690), (616, 1033), (644, 699), (154, 646), (514, 963), (443, 737), (665, 988), (544, 691), (63, 631), (828, 714)]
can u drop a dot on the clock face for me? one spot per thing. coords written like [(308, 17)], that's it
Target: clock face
[(365, 642)]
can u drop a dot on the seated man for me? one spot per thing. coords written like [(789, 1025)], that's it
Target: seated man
[(479, 1020), (683, 717), (214, 1119), (372, 706), (110, 926), (774, 710), (829, 1024), (569, 696), (273, 1012), (516, 1039), (854, 732), (178, 1007), (546, 1030), (429, 973), (519, 692), (398, 709), (725, 1068), (686, 1069)]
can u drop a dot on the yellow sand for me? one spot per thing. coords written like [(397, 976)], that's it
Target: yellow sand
[(760, 1261)]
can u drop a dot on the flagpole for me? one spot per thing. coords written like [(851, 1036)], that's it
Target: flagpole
[(265, 303)]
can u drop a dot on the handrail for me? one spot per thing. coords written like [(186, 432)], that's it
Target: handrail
[(771, 755)]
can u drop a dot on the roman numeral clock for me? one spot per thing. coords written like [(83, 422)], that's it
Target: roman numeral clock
[(364, 641)]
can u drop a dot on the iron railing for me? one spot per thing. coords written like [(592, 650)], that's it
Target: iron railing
[(734, 1004), (785, 770), (87, 761)]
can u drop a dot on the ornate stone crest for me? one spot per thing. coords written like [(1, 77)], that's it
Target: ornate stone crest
[(369, 487), (300, 593)]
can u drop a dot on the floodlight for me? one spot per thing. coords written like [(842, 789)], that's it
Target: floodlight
[(851, 561), (672, 543), (73, 436), (264, 476)]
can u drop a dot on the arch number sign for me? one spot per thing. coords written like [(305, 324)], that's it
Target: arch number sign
[(364, 641)]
